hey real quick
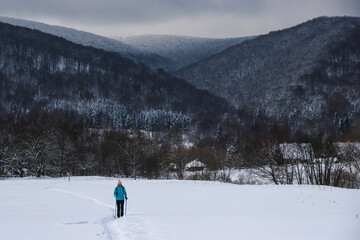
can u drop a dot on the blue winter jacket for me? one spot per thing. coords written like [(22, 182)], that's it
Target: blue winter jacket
[(121, 192)]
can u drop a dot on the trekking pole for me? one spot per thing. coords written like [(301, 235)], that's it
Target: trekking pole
[(115, 210), (126, 207)]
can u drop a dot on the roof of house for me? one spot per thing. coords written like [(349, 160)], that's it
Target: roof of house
[(195, 164), (302, 151)]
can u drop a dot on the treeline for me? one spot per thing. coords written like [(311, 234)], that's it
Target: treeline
[(58, 142), (40, 142), (321, 161), (53, 143)]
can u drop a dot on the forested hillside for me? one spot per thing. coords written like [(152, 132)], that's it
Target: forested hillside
[(307, 75)]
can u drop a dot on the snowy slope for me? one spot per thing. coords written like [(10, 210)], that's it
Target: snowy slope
[(84, 208), (182, 50), (90, 39)]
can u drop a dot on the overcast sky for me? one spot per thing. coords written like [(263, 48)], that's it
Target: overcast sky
[(206, 18)]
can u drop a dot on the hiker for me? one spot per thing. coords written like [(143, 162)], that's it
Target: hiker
[(119, 194)]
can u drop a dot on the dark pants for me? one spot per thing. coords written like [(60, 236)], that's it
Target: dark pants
[(120, 208)]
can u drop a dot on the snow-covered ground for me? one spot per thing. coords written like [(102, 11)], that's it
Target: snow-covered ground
[(84, 209)]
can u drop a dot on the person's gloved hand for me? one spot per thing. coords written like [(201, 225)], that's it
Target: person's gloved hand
[(126, 198)]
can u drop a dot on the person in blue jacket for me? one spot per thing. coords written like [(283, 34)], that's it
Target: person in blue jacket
[(120, 194)]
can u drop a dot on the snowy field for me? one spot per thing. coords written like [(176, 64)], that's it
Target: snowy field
[(84, 209)]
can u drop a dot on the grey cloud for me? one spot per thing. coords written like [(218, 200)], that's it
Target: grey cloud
[(217, 17), (131, 11)]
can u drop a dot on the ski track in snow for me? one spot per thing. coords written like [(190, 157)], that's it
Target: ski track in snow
[(131, 227), (83, 196)]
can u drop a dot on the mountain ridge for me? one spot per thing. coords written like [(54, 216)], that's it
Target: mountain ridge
[(91, 39), (138, 48), (269, 72), (38, 69)]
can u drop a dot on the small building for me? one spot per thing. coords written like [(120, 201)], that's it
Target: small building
[(348, 149), (195, 166), (297, 151), (172, 167)]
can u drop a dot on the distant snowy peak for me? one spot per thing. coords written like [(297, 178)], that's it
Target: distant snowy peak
[(182, 50)]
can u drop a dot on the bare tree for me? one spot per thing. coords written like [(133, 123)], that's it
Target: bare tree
[(136, 148), (11, 161), (86, 151), (177, 155), (270, 161), (42, 152), (66, 151), (349, 153)]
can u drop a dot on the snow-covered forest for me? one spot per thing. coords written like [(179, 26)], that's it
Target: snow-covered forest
[(72, 109), (51, 143), (163, 136)]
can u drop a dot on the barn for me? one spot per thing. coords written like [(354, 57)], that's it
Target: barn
[(297, 151)]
